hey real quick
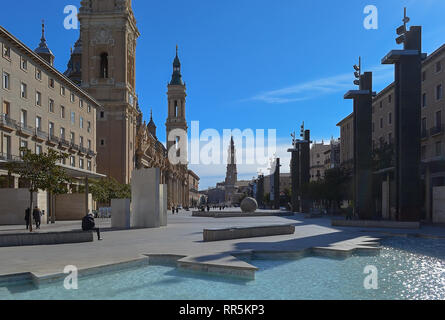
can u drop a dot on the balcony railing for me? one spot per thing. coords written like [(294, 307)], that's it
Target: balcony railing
[(64, 143), (24, 129), (83, 150), (40, 135), (436, 130), (74, 146), (91, 153), (52, 139), (6, 122), (9, 157)]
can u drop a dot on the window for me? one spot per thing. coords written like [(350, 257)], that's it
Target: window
[(424, 100), (381, 104), (390, 118), (62, 90), (80, 103), (89, 108), (439, 92), (89, 126), (24, 64), (6, 51), (72, 97), (23, 117), (39, 123), (81, 141), (390, 98), (6, 81), (102, 142), (438, 67), (438, 148), (51, 105), (424, 76), (438, 119), (89, 144), (24, 90), (51, 129), (62, 132), (72, 161), (81, 122), (23, 145), (38, 74), (89, 165), (51, 83), (389, 137), (6, 108), (39, 149), (72, 137), (62, 112), (381, 123), (423, 127), (81, 163), (102, 114), (423, 152), (73, 118), (373, 127), (104, 65), (38, 99)]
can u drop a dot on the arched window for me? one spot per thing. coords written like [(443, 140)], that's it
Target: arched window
[(176, 109), (104, 65)]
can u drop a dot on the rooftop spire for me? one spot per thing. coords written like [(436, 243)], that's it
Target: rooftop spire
[(176, 76), (43, 49)]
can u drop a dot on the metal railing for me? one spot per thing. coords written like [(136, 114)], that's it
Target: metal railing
[(40, 134), (5, 120), (64, 143), (9, 157), (53, 139), (91, 153), (74, 146), (23, 128), (436, 130)]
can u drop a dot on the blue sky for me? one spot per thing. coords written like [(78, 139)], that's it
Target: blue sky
[(259, 64)]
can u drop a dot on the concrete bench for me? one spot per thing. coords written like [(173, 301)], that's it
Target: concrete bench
[(45, 238), (247, 232), (376, 224)]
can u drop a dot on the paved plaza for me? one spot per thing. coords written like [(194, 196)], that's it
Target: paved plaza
[(183, 237)]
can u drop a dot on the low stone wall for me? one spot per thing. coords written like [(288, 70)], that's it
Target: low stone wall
[(247, 232), (71, 207), (376, 224), (235, 214), (439, 205), (13, 203), (36, 239)]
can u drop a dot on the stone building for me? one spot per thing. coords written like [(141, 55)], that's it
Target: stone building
[(43, 109), (194, 195), (103, 64), (318, 160)]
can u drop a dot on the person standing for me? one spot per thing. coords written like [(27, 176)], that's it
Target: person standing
[(37, 214), (27, 217)]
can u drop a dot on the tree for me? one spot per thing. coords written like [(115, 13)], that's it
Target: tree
[(103, 190), (42, 173), (383, 157)]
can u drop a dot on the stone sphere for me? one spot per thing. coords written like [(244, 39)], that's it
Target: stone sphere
[(249, 205)]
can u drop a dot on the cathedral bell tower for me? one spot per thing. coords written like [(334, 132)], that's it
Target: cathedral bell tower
[(108, 36), (176, 108)]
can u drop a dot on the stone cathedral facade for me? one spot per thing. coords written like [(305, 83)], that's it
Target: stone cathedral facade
[(103, 63)]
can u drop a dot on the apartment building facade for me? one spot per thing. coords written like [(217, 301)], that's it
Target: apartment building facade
[(318, 159), (42, 109)]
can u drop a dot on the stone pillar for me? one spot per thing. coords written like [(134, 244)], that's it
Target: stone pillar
[(145, 198), (120, 213), (276, 178), (305, 171), (408, 86), (362, 98), (295, 177)]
